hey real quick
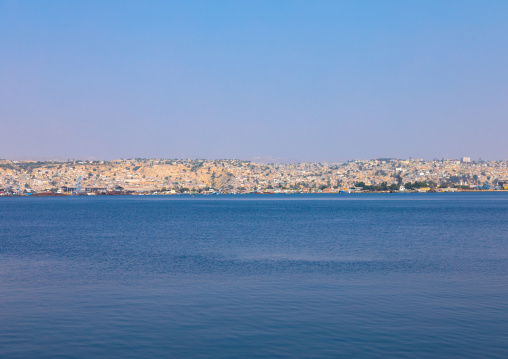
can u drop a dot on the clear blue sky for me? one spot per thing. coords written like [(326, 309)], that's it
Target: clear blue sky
[(290, 80)]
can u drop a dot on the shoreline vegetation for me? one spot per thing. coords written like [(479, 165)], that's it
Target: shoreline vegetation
[(207, 177)]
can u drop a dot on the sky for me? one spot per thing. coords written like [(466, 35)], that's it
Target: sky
[(281, 80)]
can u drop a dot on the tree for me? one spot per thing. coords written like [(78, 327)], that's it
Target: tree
[(454, 179), (399, 179)]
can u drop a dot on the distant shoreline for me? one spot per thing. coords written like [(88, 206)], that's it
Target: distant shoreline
[(249, 194)]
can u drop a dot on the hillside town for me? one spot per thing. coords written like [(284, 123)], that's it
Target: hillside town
[(177, 176)]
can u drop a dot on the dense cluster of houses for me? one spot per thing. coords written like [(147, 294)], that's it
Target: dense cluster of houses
[(167, 176)]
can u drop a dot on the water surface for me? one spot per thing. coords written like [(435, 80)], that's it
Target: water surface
[(375, 275)]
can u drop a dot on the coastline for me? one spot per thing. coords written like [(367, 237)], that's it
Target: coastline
[(46, 194)]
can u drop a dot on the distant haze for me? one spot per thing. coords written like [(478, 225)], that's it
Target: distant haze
[(288, 80)]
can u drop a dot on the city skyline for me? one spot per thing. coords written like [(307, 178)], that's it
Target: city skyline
[(260, 160), (175, 176)]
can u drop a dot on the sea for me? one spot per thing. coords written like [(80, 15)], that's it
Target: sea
[(255, 276)]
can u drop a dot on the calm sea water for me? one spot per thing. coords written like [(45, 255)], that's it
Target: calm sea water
[(389, 275)]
